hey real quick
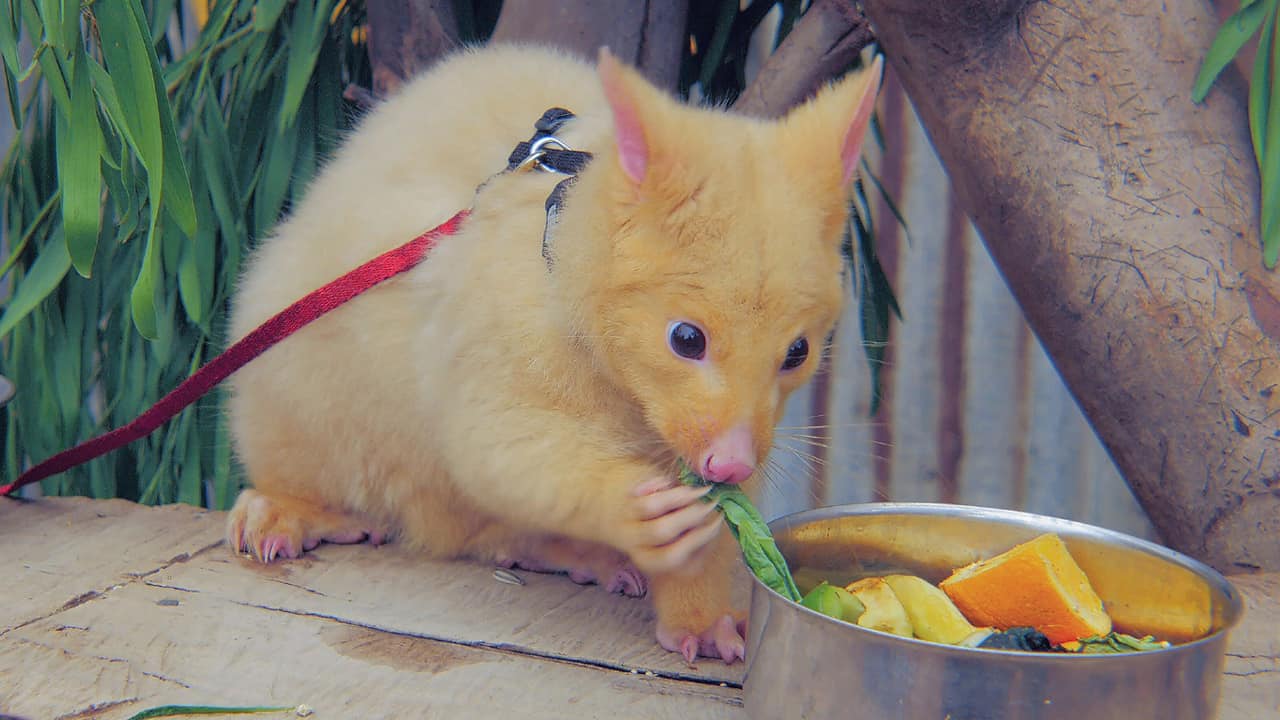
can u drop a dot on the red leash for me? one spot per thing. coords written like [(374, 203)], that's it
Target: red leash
[(280, 326)]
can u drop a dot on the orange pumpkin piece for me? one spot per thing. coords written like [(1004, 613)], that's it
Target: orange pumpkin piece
[(1035, 584)]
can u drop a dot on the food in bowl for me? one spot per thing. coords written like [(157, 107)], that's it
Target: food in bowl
[(1032, 597)]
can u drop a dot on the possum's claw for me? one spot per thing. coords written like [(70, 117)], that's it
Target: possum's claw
[(628, 581), (272, 527)]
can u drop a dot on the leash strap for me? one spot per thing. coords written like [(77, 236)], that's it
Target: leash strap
[(280, 326)]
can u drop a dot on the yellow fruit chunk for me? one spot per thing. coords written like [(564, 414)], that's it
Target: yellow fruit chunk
[(932, 614), (884, 610), (1035, 584)]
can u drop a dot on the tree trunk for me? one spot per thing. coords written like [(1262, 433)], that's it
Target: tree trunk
[(1124, 219), (405, 36), (648, 34)]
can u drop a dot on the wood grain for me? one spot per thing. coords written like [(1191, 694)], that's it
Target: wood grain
[(169, 616)]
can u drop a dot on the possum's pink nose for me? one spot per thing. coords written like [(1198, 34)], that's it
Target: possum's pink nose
[(731, 458)]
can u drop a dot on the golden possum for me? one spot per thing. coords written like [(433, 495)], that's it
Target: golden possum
[(487, 404)]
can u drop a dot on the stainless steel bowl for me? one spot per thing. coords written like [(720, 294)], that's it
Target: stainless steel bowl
[(801, 664)]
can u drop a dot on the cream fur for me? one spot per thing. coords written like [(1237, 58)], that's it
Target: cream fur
[(481, 404)]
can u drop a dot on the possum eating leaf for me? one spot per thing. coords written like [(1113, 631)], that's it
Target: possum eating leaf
[(759, 551)]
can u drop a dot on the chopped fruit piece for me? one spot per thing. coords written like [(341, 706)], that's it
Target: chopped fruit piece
[(884, 610), (1036, 584), (932, 614)]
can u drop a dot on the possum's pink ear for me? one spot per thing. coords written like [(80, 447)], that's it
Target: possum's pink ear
[(839, 114), (622, 88), (865, 87)]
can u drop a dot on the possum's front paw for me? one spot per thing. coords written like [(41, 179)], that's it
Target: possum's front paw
[(667, 524), (725, 639), (276, 526)]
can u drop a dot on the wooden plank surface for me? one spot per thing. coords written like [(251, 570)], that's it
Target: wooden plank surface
[(52, 555), (110, 608)]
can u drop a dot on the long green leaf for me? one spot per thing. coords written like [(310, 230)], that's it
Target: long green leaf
[(176, 186), (268, 12), (79, 169), (128, 56), (178, 710), (1260, 85), (142, 298), (306, 37), (54, 74), (105, 89), (1271, 167), (46, 272), (10, 30), (1232, 36)]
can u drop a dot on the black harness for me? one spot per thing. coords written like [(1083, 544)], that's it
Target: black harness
[(548, 153)]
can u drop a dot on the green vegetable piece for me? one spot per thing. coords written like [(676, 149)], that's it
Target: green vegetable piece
[(823, 599), (759, 550), (1115, 642), (834, 601)]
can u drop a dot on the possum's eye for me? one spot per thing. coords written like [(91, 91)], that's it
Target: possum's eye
[(796, 354), (687, 340)]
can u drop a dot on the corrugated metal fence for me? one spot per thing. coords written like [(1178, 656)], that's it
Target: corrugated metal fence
[(973, 410)]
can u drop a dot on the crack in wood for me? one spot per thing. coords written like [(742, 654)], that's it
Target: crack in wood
[(131, 578), (511, 648), (96, 708), (1251, 673)]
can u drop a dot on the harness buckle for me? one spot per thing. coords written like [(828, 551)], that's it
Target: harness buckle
[(537, 154)]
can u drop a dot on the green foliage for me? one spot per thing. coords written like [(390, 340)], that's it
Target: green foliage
[(1264, 116), (152, 153)]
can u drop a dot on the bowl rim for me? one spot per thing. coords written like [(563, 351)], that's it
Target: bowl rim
[(1235, 605)]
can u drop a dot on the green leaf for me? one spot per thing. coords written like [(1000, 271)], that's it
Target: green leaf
[(45, 274), (194, 283), (266, 15), (273, 186), (54, 75), (129, 57), (1271, 166), (79, 169), (719, 41), (10, 30), (306, 36), (1232, 36), (178, 710), (142, 298), (127, 53), (65, 365), (1260, 85), (106, 92), (214, 146), (759, 551), (61, 22)]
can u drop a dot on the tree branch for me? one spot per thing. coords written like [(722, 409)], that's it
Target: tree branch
[(405, 36), (821, 46)]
